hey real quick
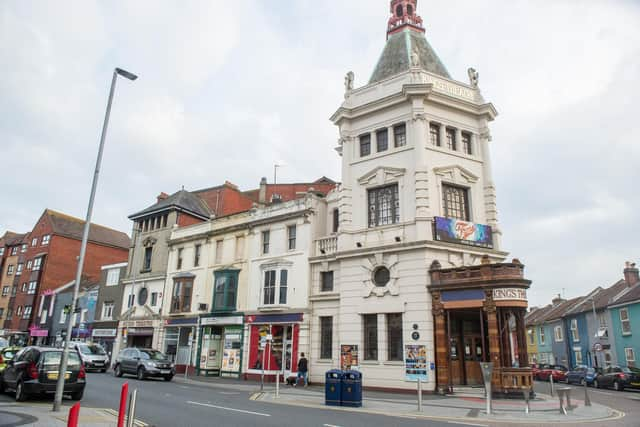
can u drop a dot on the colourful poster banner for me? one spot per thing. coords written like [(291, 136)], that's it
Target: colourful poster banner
[(458, 231), (349, 357), (415, 362)]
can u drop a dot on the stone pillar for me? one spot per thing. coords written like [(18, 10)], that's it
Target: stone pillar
[(443, 135), (458, 140), (442, 346), (391, 138), (420, 126), (493, 332), (490, 205)]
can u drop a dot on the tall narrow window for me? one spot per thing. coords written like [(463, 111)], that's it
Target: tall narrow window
[(559, 336), (394, 337), (269, 291), (147, 259), (434, 134), (370, 328), (34, 241), (466, 143), (27, 312), (19, 269), (284, 277), (575, 335), (625, 322), (326, 337), (400, 135), (382, 140), (384, 206), (45, 239), (181, 298), (455, 202), (291, 235), (451, 139), (265, 241), (10, 268), (37, 263), (239, 247), (196, 255), (336, 220), (33, 285), (365, 145), (226, 289), (24, 248), (165, 218), (326, 277), (154, 299), (107, 310), (542, 337), (630, 356), (179, 261), (219, 248), (130, 300)]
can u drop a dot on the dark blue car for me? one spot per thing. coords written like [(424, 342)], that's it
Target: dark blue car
[(582, 374)]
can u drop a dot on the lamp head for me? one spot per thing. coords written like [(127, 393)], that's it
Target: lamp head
[(126, 74)]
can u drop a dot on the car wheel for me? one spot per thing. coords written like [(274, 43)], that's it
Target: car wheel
[(117, 371), (583, 382), (20, 394), (596, 384), (77, 395), (141, 375), (168, 378), (617, 386)]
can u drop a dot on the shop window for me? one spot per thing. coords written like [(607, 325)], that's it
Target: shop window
[(400, 135), (384, 205), (181, 297), (226, 289), (327, 281), (278, 355), (394, 337), (370, 329), (326, 337)]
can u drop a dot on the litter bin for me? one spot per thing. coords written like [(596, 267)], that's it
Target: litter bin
[(352, 388), (332, 387)]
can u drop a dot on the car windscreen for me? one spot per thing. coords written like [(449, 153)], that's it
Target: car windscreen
[(9, 354), (94, 350), (151, 355), (53, 358)]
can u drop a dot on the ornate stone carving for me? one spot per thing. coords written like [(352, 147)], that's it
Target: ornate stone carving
[(419, 117), (349, 80), (149, 241), (474, 77)]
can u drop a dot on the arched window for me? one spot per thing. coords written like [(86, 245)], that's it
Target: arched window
[(399, 11)]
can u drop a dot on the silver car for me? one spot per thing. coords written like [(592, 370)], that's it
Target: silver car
[(93, 356)]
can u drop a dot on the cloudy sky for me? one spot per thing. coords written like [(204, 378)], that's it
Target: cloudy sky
[(227, 89)]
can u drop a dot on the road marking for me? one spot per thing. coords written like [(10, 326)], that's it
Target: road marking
[(462, 423), (329, 425), (228, 409), (603, 392), (229, 392)]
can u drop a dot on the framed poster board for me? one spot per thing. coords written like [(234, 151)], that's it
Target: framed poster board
[(415, 362), (349, 357)]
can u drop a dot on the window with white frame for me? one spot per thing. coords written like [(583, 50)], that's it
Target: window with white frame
[(275, 287), (10, 268), (630, 356), (1, 251), (19, 269), (19, 311), (130, 300), (384, 205), (266, 235), (27, 312), (542, 337), (400, 135), (45, 239), (113, 277), (625, 322), (24, 248), (532, 336), (196, 255), (37, 263), (559, 336), (575, 335), (603, 330), (34, 241), (578, 352), (5, 291), (239, 247), (43, 317), (608, 357), (107, 310), (63, 316), (32, 287), (29, 264), (14, 250), (24, 288)]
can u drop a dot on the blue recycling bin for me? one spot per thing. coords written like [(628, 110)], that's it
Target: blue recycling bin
[(333, 387), (351, 388)]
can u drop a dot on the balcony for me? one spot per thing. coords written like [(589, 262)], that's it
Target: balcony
[(326, 246)]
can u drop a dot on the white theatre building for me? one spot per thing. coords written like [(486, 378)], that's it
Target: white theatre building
[(414, 145)]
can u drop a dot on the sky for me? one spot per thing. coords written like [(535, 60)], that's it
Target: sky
[(228, 89)]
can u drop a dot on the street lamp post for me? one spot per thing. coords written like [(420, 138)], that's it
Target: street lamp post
[(85, 237)]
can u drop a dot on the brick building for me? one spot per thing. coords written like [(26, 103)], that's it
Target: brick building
[(10, 258), (49, 257)]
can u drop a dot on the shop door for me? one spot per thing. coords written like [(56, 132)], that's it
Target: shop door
[(288, 355), (211, 349), (472, 357)]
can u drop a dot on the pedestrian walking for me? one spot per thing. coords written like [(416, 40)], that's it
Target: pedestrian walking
[(303, 370)]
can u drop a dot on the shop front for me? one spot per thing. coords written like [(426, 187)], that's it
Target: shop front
[(273, 345), (38, 336), (137, 333), (179, 337), (220, 345), (105, 335), (479, 317)]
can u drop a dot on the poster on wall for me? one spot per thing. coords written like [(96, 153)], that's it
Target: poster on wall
[(415, 362), (457, 231), (231, 360), (349, 357)]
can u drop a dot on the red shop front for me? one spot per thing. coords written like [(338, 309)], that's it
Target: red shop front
[(273, 345)]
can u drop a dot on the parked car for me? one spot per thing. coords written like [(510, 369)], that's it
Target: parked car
[(3, 343), (93, 356), (144, 363), (558, 372), (34, 371), (535, 369), (6, 354), (617, 377), (581, 374)]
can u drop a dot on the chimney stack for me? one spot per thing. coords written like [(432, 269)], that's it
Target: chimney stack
[(162, 196), (262, 196), (557, 300), (631, 275)]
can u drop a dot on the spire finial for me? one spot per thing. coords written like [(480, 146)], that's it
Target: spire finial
[(404, 16)]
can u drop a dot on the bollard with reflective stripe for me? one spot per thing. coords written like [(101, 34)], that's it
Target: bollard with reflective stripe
[(123, 404), (74, 414)]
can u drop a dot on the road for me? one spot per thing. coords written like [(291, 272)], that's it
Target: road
[(173, 404), (627, 401)]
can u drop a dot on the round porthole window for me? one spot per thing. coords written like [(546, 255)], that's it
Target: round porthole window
[(142, 296), (381, 276)]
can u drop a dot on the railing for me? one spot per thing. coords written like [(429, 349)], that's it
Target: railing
[(519, 379), (326, 245)]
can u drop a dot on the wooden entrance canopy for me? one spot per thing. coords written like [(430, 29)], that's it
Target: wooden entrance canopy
[(497, 295)]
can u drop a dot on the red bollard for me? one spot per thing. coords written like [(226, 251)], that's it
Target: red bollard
[(74, 414), (123, 404)]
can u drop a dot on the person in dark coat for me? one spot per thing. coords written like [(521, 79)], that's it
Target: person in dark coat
[(303, 369)]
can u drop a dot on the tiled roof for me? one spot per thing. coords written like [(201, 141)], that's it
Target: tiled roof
[(560, 310), (396, 56), (182, 199), (10, 238), (534, 317), (601, 298), (69, 226), (632, 295)]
